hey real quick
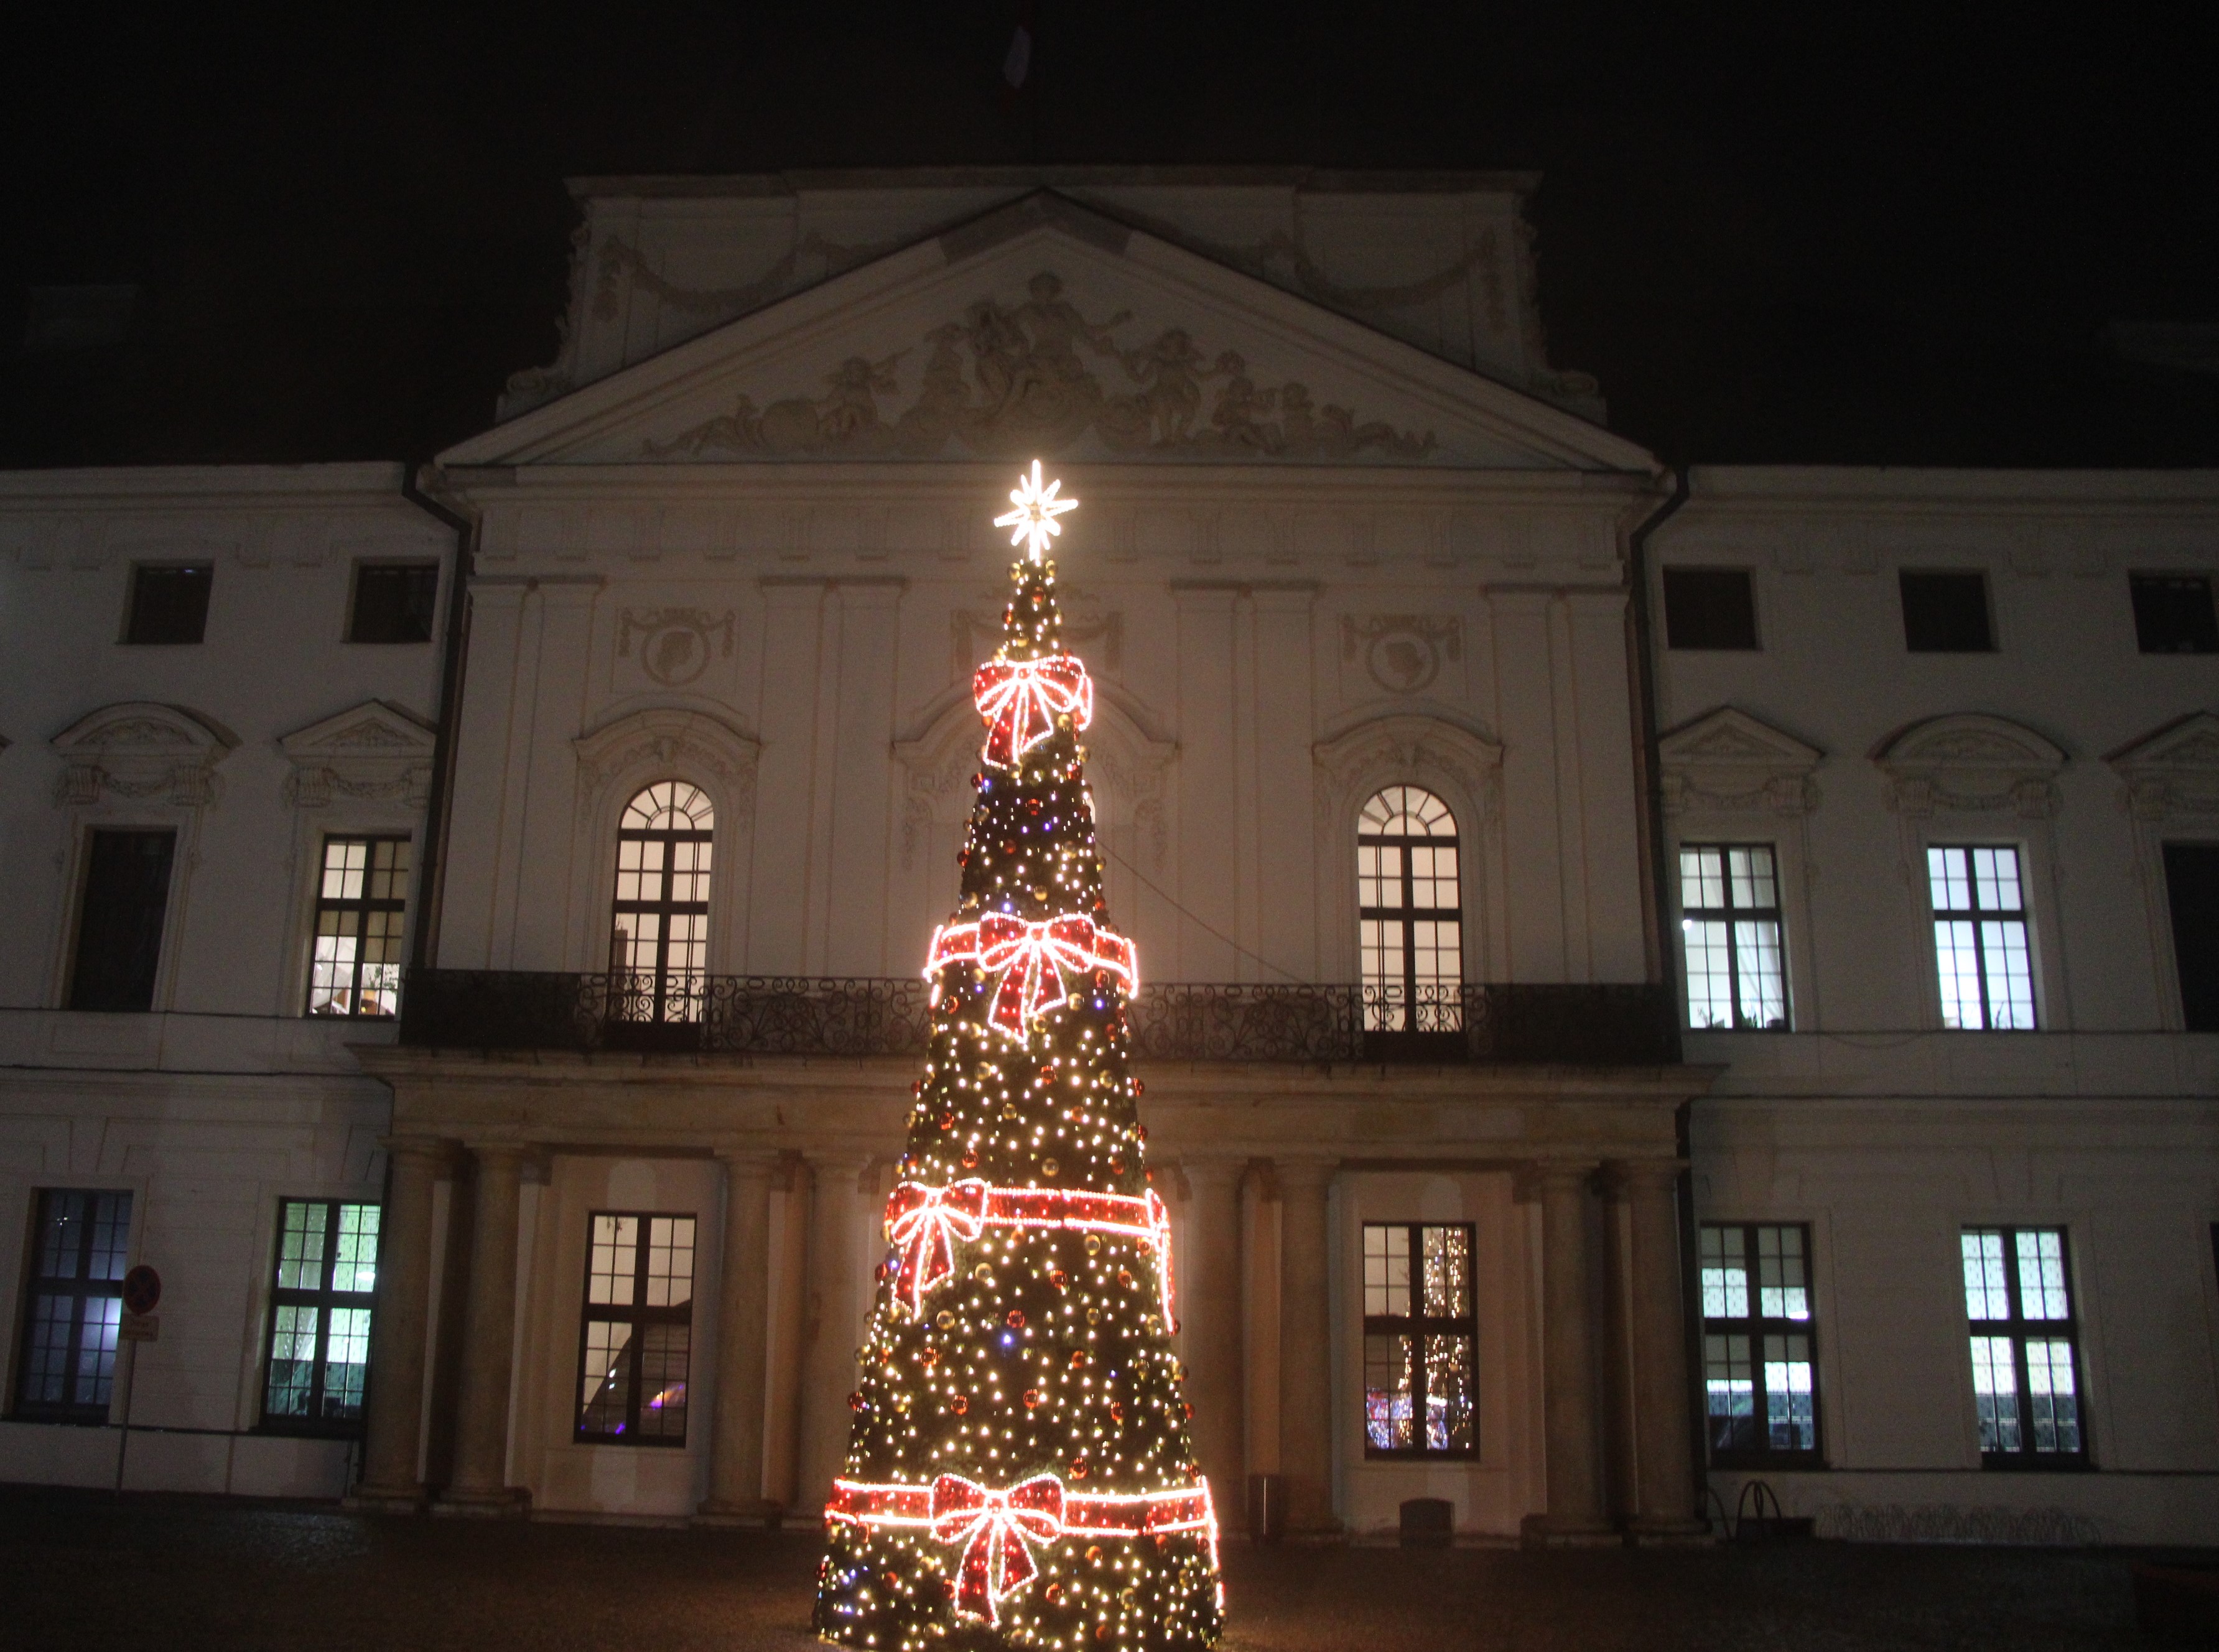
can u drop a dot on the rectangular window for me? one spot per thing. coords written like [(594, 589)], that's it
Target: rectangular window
[(2025, 1346), (319, 1306), (1709, 608), (169, 604), (1980, 951), (360, 906), (1420, 1341), (2173, 613), (1946, 613), (120, 919), (635, 1349), (1730, 936), (2192, 889), (1760, 1361), (393, 602), (73, 1306)]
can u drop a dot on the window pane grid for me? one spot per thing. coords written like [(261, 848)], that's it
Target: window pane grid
[(1420, 1341), (2023, 1346), (1409, 914), (318, 1362), (73, 1312), (1730, 931), (1760, 1365), (659, 925), (361, 909), (1982, 959), (636, 1344)]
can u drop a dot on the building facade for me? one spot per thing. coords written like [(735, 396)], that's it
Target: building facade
[(1733, 938)]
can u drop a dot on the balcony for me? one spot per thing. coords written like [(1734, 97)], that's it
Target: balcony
[(1585, 1025)]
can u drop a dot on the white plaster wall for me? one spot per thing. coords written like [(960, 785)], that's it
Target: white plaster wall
[(564, 1474), (1495, 1491), (206, 1157), (1223, 660)]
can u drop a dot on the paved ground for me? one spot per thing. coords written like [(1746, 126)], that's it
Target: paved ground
[(83, 1571)]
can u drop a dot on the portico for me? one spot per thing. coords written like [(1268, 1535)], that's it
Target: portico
[(794, 1158)]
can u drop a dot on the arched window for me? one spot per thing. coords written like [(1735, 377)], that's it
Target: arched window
[(659, 951), (1410, 913)]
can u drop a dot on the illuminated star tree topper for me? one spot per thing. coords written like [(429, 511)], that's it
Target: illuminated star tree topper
[(1033, 524)]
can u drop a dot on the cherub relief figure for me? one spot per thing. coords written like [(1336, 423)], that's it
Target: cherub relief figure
[(998, 380)]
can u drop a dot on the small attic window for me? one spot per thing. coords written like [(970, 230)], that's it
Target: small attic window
[(393, 602), (169, 603), (1709, 608)]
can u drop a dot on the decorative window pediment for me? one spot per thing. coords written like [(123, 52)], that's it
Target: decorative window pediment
[(699, 743), (1425, 751), (138, 749), (2173, 771), (1969, 763), (373, 750), (1728, 761), (1128, 762)]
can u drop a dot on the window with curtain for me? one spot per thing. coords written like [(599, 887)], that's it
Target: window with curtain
[(1981, 951), (2025, 1348), (1730, 937), (1760, 1363), (320, 1308), (73, 1306), (659, 949), (1409, 913)]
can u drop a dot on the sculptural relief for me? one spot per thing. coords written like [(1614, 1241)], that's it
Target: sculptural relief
[(1039, 377)]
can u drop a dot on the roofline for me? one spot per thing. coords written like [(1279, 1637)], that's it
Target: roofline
[(123, 483), (1948, 485), (1320, 180)]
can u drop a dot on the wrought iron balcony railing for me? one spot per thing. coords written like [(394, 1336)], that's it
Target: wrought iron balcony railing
[(503, 1009)]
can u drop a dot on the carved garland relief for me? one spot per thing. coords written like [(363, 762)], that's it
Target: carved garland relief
[(1402, 653), (676, 643), (1008, 382)]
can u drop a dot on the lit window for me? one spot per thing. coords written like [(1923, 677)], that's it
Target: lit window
[(1420, 1341), (1760, 1370), (73, 1306), (635, 1349), (319, 1306), (1981, 950), (360, 906), (1730, 937), (2026, 1343), (1410, 913), (659, 954)]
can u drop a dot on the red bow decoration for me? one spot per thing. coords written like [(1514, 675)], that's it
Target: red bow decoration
[(1030, 959), (996, 1530), (925, 1223), (1021, 700)]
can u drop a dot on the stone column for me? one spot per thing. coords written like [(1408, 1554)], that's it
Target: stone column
[(1666, 1483), (1306, 1345), (481, 1483), (828, 1361), (399, 1328), (1575, 1513), (736, 1445), (1207, 1279)]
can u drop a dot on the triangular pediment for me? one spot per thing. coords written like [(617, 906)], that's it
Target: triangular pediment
[(1729, 738), (372, 729), (1045, 329), (2189, 745)]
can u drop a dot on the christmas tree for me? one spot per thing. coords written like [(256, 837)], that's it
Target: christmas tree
[(1019, 1473)]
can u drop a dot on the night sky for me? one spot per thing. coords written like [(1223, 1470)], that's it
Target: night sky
[(1862, 233)]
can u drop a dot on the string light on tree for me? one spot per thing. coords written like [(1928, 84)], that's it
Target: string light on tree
[(1019, 1473)]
